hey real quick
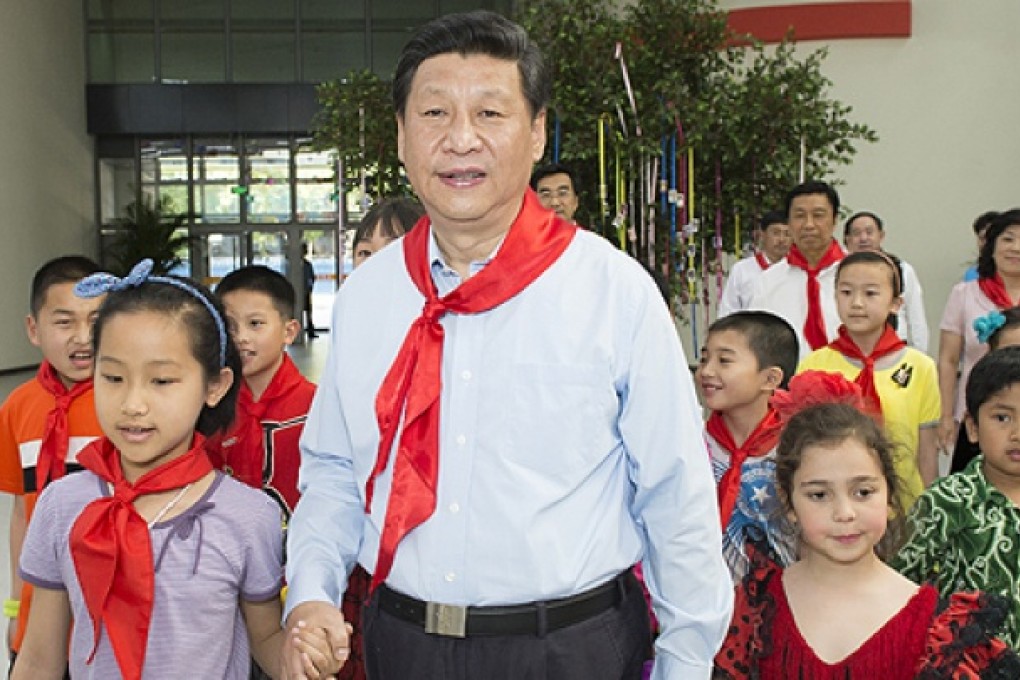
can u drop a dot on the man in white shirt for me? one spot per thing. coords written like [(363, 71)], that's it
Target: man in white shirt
[(865, 231), (774, 237), (801, 287), (506, 423)]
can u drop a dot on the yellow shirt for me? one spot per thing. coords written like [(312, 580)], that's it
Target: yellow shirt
[(907, 385)]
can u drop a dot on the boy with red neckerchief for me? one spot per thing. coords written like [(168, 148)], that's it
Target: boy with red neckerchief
[(261, 447), (746, 357), (47, 421)]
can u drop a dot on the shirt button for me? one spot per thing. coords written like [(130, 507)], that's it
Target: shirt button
[(461, 439), (450, 577), (466, 375), (454, 508)]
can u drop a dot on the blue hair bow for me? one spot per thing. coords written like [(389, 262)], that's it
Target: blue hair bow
[(985, 326), (101, 283)]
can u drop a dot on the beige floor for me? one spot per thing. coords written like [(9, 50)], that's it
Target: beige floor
[(309, 357)]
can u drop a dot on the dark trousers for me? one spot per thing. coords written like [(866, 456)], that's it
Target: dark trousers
[(612, 645), (965, 451)]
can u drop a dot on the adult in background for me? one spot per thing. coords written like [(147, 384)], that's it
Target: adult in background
[(997, 287), (501, 532), (980, 226), (556, 186), (801, 288), (774, 242), (865, 231)]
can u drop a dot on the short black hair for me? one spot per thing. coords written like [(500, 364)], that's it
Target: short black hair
[(544, 171), (391, 217), (889, 260), (863, 213), (814, 187), (993, 373), (1011, 319), (999, 224), (257, 278), (770, 218), (770, 338), (479, 32), (66, 269)]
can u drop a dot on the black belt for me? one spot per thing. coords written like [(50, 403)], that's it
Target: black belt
[(536, 618)]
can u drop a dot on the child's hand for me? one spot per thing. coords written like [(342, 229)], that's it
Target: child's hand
[(317, 659)]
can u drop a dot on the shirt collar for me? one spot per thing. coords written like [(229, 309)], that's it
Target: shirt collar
[(445, 277)]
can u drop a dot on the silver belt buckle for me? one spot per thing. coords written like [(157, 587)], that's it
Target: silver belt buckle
[(445, 619)]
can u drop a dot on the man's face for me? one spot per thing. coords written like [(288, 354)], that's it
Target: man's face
[(864, 234), (812, 221), (775, 241), (556, 192), (468, 141)]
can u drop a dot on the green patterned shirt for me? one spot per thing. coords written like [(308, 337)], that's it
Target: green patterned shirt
[(966, 536)]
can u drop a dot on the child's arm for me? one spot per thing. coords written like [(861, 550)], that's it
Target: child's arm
[(42, 656), (928, 455), (262, 619), (17, 536), (918, 558)]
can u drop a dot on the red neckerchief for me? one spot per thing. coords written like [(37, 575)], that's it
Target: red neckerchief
[(244, 459), (761, 440), (112, 549), (888, 343), (411, 388), (995, 290), (51, 464), (814, 324), (763, 261)]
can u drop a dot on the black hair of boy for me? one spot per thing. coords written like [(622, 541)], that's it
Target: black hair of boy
[(66, 269), (993, 373), (770, 218), (391, 217), (1011, 318), (257, 278), (553, 169), (769, 337), (811, 188)]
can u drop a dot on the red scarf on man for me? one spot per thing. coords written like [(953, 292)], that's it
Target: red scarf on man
[(412, 386), (814, 324), (763, 261), (245, 458), (112, 549), (761, 440), (51, 464), (888, 343), (995, 290)]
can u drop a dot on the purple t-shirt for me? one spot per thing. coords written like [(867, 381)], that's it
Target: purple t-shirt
[(226, 547)]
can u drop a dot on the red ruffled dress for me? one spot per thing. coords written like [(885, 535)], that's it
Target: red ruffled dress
[(923, 640)]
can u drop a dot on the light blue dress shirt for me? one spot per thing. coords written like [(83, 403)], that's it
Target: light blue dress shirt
[(571, 447)]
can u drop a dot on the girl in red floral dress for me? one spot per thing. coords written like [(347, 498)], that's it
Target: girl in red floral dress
[(840, 611)]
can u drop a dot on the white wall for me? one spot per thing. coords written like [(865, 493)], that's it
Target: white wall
[(946, 105), (45, 155)]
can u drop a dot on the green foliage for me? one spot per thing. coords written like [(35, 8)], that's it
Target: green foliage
[(149, 231), (357, 119)]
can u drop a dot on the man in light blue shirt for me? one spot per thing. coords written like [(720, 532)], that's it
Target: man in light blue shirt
[(569, 441)]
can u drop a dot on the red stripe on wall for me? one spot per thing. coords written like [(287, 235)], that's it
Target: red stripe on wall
[(825, 21)]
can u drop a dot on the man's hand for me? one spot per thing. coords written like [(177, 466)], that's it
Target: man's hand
[(311, 621)]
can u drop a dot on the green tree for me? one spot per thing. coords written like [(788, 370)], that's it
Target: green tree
[(149, 230)]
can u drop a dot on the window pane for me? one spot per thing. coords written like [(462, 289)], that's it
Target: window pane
[(313, 164), (217, 203), (121, 58), (191, 9), (263, 57), (116, 187), (386, 47), (327, 56), (401, 9), (332, 9), (216, 160), (176, 193), (262, 9), (194, 57), (316, 202), (269, 181), (119, 9)]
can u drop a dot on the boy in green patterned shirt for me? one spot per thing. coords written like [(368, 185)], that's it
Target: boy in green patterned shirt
[(966, 527)]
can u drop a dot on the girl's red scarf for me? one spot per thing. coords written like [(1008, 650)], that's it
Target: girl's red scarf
[(888, 343), (52, 463), (112, 549), (995, 290), (761, 440), (411, 388), (814, 324)]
